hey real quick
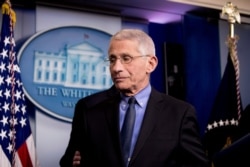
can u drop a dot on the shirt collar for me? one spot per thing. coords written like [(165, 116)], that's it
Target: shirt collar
[(141, 97)]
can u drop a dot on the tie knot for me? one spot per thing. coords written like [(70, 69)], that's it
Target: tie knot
[(131, 100)]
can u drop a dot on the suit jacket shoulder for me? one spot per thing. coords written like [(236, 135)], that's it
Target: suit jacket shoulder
[(170, 101), (99, 97)]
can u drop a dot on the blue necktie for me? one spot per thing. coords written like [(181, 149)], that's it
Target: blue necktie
[(127, 129)]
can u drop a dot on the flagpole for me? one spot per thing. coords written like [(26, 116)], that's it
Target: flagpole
[(233, 16)]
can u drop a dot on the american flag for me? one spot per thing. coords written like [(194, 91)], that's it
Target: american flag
[(17, 148)]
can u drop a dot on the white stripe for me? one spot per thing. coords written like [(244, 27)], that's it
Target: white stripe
[(18, 161), (32, 151), (3, 159)]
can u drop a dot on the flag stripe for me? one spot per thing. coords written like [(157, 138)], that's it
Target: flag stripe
[(4, 160), (24, 155), (32, 151), (18, 161)]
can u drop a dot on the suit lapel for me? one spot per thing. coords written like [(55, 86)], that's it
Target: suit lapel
[(149, 120), (112, 117), (112, 114), (112, 108)]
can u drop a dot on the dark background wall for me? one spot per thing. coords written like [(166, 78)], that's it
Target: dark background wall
[(191, 54)]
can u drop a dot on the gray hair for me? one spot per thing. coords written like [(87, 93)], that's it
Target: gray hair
[(145, 42)]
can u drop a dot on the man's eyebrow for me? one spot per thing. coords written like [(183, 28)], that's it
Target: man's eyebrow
[(123, 54)]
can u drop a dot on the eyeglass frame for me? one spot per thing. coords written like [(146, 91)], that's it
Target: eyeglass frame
[(131, 58)]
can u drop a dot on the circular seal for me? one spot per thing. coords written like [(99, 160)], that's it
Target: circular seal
[(61, 65)]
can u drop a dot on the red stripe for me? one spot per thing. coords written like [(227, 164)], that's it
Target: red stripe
[(24, 156)]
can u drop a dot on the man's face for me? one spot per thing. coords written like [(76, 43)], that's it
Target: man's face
[(133, 76)]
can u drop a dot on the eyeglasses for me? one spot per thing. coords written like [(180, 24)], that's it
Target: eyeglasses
[(123, 59)]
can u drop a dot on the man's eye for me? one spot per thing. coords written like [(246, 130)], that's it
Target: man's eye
[(112, 59), (126, 58)]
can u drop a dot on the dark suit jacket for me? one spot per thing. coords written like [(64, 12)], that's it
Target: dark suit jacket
[(169, 136)]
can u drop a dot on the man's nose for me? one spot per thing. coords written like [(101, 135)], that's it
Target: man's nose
[(117, 65)]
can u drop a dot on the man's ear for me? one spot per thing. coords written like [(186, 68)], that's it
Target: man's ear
[(152, 63)]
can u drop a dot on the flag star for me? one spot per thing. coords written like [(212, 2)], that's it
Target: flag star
[(226, 122), (23, 122), (6, 41), (23, 97), (6, 106), (215, 124), (12, 134), (19, 83), (12, 40), (4, 53), (1, 94), (18, 95), (7, 93), (209, 127), (11, 67), (10, 148), (13, 121), (13, 54), (221, 123), (3, 134), (23, 109), (4, 120), (232, 122), (8, 80), (17, 108), (16, 68), (1, 80), (2, 67)]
